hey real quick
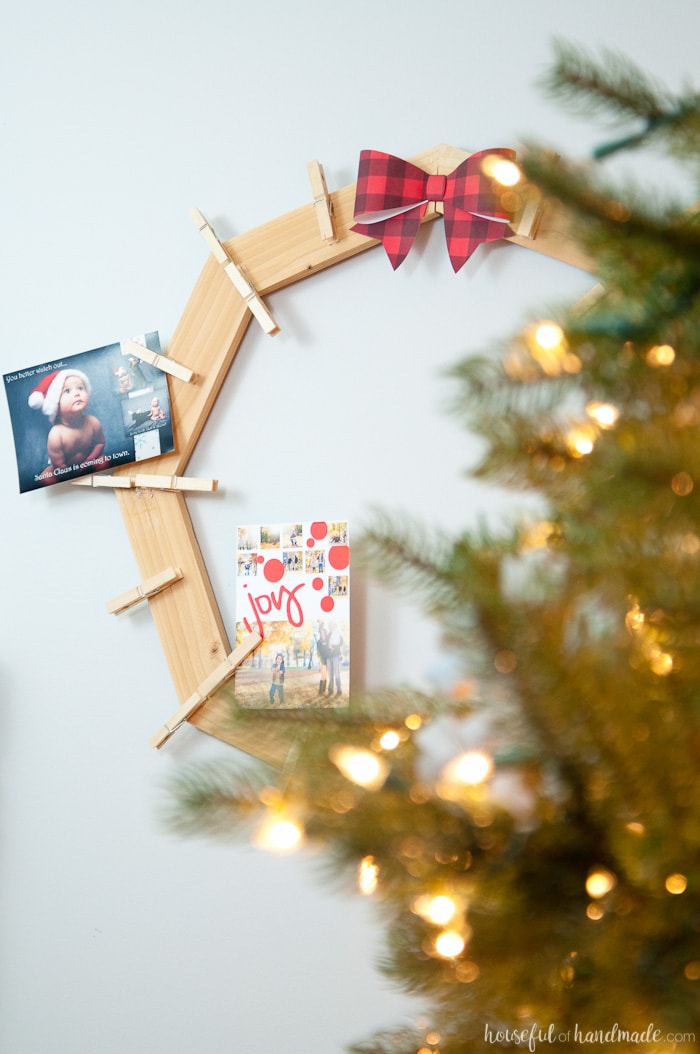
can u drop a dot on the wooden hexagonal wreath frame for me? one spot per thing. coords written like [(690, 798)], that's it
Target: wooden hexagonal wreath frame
[(206, 341)]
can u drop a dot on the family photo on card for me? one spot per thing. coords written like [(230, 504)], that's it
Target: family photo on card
[(293, 588)]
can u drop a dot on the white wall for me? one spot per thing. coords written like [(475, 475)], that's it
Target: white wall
[(116, 936)]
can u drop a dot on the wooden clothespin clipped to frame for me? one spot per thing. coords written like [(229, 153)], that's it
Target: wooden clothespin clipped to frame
[(207, 688), (184, 483), (113, 482), (147, 589), (529, 219), (239, 280), (180, 483), (527, 223), (175, 369), (322, 201)]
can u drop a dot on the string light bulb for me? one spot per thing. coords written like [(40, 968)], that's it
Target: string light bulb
[(661, 355), (439, 909), (660, 662), (367, 875), (501, 169), (472, 768), (362, 767), (600, 881), (547, 345), (580, 441), (449, 944), (676, 884), (604, 414), (279, 833), (549, 335)]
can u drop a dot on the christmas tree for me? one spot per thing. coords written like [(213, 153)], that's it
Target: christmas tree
[(543, 887)]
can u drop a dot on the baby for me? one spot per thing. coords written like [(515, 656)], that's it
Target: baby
[(157, 412), (123, 380), (75, 437)]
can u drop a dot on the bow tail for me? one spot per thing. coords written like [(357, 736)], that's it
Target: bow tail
[(465, 232), (396, 233)]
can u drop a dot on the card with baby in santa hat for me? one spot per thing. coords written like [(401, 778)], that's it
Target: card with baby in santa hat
[(88, 412)]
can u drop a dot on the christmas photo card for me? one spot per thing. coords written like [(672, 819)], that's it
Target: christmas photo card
[(88, 412), (293, 588)]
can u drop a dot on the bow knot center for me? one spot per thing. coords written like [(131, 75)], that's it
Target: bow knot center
[(435, 188)]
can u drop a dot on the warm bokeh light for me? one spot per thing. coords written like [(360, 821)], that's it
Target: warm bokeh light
[(604, 414), (390, 740), (599, 882), (682, 484), (580, 441), (449, 944), (472, 767), (438, 909), (676, 884), (571, 363), (442, 909), (595, 912), (547, 345), (362, 767), (635, 618), (414, 722), (636, 828), (661, 355), (367, 875), (505, 172), (538, 535), (467, 972), (660, 662), (689, 543), (279, 834), (549, 335)]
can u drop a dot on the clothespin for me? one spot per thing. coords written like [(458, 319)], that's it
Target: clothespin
[(239, 280), (529, 219), (101, 480), (322, 201), (589, 299), (164, 363), (436, 208), (181, 483), (147, 589), (207, 688), (174, 483)]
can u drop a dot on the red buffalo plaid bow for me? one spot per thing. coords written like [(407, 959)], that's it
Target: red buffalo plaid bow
[(392, 196)]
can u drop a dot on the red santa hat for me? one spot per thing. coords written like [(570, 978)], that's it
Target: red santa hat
[(46, 395)]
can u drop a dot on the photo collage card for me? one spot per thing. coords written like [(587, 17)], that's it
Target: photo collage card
[(293, 588)]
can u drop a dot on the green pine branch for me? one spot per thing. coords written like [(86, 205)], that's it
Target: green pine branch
[(616, 86)]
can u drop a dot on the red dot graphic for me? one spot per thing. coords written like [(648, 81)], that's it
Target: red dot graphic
[(327, 604), (339, 557), (260, 559), (274, 570), (319, 530), (317, 583)]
